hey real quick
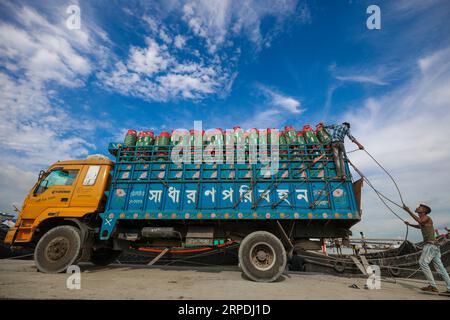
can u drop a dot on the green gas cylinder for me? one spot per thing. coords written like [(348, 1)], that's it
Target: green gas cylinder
[(300, 139), (162, 146), (283, 145), (253, 136), (145, 138), (323, 134), (229, 144), (208, 138), (290, 134), (196, 140), (269, 135), (218, 137), (196, 136), (239, 140), (130, 138), (129, 144), (309, 135), (282, 138), (239, 137), (263, 143), (253, 140), (180, 137), (299, 149), (263, 137), (163, 141), (229, 139)]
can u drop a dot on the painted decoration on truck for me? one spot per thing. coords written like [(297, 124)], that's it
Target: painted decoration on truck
[(173, 191)]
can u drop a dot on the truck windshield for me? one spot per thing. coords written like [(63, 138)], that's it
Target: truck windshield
[(57, 177)]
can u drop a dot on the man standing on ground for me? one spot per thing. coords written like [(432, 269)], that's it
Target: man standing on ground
[(337, 146), (337, 243), (430, 251), (363, 242)]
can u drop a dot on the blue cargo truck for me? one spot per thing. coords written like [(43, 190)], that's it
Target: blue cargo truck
[(149, 201)]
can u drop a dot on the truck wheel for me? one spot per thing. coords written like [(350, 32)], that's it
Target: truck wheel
[(103, 257), (262, 256), (58, 249)]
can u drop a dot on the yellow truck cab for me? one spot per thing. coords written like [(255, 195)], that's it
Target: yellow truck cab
[(66, 194)]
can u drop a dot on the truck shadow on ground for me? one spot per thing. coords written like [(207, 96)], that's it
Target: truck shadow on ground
[(91, 268), (88, 267)]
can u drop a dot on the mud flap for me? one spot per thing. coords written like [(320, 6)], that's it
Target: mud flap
[(357, 188)]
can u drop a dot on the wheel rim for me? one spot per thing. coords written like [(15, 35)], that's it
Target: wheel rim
[(262, 256), (57, 249)]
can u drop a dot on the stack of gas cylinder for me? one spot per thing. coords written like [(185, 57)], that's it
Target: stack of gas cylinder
[(288, 138)]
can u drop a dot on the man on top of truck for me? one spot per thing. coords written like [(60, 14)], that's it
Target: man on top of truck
[(430, 251), (337, 146)]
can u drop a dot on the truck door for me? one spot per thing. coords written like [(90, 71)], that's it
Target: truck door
[(54, 191), (89, 190)]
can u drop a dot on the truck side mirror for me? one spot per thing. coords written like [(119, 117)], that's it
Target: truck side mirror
[(41, 174)]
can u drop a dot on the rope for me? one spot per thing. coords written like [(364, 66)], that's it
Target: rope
[(393, 180), (380, 195)]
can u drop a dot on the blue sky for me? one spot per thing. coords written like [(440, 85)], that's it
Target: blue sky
[(163, 64)]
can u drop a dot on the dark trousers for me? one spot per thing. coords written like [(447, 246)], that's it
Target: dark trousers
[(338, 155)]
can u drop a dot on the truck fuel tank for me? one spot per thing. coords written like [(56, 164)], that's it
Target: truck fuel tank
[(159, 232)]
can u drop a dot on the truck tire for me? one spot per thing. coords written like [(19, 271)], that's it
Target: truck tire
[(58, 249), (103, 257), (262, 256)]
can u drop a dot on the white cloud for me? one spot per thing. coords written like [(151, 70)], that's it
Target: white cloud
[(278, 110), (13, 192), (38, 51), (164, 36), (217, 20), (374, 76), (154, 73), (277, 99), (361, 79), (264, 118), (180, 41), (407, 131), (149, 60), (158, 71)]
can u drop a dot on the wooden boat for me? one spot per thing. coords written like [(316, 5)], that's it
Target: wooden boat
[(399, 262)]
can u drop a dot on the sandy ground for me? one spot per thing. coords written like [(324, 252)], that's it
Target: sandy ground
[(20, 279)]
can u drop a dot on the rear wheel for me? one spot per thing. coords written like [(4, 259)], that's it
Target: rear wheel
[(104, 256), (58, 249), (262, 256)]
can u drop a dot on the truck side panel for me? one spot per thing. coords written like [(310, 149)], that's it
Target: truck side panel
[(302, 189)]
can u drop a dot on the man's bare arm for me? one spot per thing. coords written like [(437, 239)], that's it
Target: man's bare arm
[(411, 214), (360, 146), (417, 226)]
